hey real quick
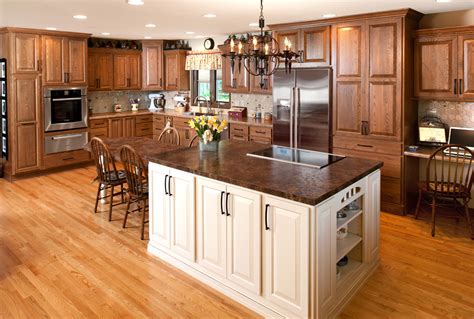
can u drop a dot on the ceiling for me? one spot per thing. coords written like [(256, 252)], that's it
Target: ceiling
[(173, 18)]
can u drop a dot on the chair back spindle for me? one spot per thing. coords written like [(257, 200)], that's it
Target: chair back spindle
[(135, 171)]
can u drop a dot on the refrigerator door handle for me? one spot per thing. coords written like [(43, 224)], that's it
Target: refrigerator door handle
[(297, 109), (292, 107)]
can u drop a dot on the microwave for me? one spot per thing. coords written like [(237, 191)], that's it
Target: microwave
[(65, 108)]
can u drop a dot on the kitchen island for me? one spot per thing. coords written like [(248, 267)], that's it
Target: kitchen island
[(266, 233)]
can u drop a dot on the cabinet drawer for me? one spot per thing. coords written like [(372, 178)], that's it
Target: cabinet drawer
[(98, 123), (261, 140), (144, 118), (181, 122), (239, 129), (159, 119), (256, 131), (365, 144), (65, 158), (143, 129), (98, 132), (239, 137)]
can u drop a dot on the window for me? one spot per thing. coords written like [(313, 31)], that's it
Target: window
[(208, 84)]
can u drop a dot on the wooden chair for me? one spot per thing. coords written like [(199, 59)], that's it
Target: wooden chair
[(137, 179), (107, 174), (194, 141), (169, 135), (448, 180)]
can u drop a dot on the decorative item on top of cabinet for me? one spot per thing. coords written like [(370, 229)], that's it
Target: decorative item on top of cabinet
[(176, 77), (65, 60), (152, 65), (444, 64)]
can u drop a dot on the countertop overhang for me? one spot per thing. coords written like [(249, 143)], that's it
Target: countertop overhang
[(294, 182)]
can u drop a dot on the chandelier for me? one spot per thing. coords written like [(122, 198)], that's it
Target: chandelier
[(262, 56)]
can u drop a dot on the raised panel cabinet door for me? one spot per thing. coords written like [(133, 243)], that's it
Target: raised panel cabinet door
[(92, 79), (27, 103), (349, 50), (116, 127), (171, 71), (286, 253), (182, 214), (211, 226), (316, 45), (134, 72), (27, 147), (384, 48), (372, 218), (77, 61), (128, 126), (54, 68), (26, 54), (152, 66), (384, 109), (466, 67), (120, 71), (293, 36), (105, 71), (159, 206), (348, 107), (244, 230), (436, 67)]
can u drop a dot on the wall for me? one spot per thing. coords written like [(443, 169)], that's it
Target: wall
[(252, 102), (447, 19), (460, 114)]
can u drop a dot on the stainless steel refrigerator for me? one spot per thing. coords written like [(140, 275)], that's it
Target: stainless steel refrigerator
[(302, 109)]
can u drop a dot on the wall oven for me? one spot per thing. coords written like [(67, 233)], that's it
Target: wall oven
[(65, 108)]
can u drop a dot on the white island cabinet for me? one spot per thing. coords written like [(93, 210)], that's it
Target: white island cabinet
[(274, 255)]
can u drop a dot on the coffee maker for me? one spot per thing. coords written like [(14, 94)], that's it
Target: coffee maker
[(157, 102)]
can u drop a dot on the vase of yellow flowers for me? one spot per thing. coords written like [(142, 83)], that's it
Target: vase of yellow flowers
[(209, 129)]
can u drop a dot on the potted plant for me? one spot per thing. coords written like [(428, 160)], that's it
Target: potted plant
[(209, 129)]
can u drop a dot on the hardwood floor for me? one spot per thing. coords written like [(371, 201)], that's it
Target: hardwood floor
[(58, 259)]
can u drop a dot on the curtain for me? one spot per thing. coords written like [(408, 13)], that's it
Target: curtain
[(204, 60)]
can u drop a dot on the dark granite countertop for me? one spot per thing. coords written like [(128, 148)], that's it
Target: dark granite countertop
[(302, 184)]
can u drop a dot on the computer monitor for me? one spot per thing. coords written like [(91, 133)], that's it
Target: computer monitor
[(463, 136)]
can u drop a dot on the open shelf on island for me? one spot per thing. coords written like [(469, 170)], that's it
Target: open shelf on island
[(351, 215), (346, 244), (347, 270)]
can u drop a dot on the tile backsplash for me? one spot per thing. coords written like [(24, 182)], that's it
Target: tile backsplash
[(459, 114), (252, 101)]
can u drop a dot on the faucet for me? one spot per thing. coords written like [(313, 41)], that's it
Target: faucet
[(200, 99)]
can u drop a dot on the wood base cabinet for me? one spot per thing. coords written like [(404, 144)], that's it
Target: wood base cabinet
[(273, 255)]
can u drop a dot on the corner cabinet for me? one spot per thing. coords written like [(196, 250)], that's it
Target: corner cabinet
[(276, 256)]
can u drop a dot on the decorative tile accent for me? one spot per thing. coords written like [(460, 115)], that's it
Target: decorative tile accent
[(252, 101), (459, 114)]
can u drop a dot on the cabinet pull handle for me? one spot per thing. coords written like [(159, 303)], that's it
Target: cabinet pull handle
[(260, 132), (169, 185), (100, 84), (266, 217), (68, 158), (365, 145), (239, 136), (39, 65), (455, 86), (166, 192), (238, 129), (460, 87), (222, 207), (161, 82), (227, 204)]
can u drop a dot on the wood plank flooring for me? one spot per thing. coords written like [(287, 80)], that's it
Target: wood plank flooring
[(58, 259)]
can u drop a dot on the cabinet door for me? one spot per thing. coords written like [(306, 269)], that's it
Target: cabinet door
[(120, 71), (349, 56), (384, 74), (105, 71), (26, 55), (239, 83), (466, 67), (182, 213), (152, 70), (243, 238), (436, 67), (92, 78), (115, 127), (286, 253), (211, 226), (316, 45), (171, 72), (76, 61), (372, 217), (128, 126), (292, 35), (133, 72), (159, 206), (54, 56)]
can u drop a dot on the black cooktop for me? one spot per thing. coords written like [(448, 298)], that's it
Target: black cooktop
[(297, 156)]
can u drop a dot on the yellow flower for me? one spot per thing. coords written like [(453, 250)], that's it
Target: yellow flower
[(191, 124)]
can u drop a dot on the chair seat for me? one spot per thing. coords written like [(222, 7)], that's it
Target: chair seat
[(119, 177), (450, 189)]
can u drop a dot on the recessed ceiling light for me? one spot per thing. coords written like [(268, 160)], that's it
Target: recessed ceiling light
[(150, 25), (51, 28), (147, 37), (190, 32), (209, 15), (329, 15), (443, 1), (253, 24), (135, 2), (80, 17), (105, 33)]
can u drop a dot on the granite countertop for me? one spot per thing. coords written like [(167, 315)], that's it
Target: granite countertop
[(170, 112), (302, 184)]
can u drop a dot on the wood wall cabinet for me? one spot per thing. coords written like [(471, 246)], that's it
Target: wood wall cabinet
[(100, 71), (444, 64), (127, 71), (176, 77), (152, 65), (240, 82), (65, 60), (25, 53)]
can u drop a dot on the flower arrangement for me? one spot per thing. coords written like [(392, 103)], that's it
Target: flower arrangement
[(208, 128)]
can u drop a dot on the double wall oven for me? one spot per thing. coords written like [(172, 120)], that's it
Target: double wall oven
[(65, 109)]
